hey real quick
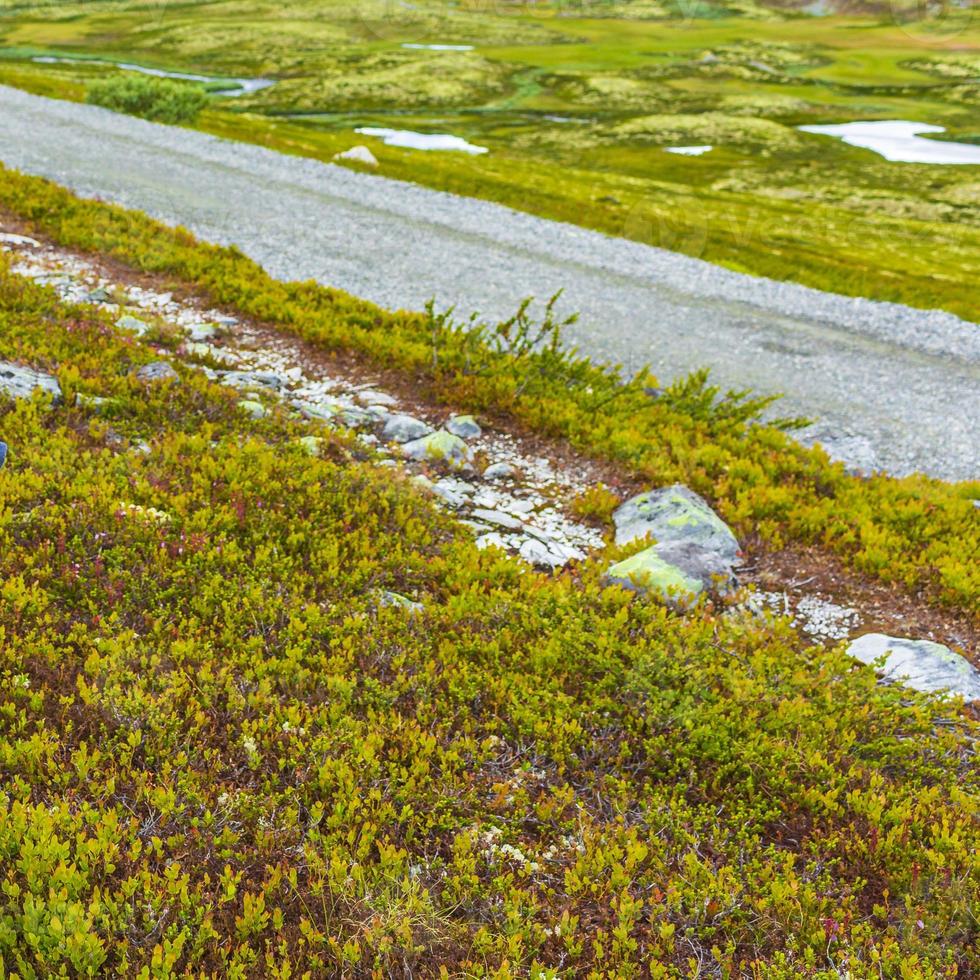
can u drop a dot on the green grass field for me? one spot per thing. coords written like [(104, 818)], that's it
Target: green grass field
[(576, 104)]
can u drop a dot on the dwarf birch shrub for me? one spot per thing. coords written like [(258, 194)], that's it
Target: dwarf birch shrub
[(152, 98), (220, 756), (920, 532)]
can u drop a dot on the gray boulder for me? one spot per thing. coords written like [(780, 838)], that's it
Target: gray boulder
[(404, 428), (157, 371), (677, 572), (440, 447), (133, 323), (22, 382), (252, 379), (919, 664), (675, 515), (499, 471), (464, 426)]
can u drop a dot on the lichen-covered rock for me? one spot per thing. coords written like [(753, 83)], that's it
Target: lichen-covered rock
[(312, 444), (325, 409), (675, 514), (253, 408), (464, 426), (398, 601), (201, 331), (404, 428), (22, 382), (440, 447), (132, 323), (646, 571), (253, 379), (356, 418), (919, 664), (157, 371), (94, 402)]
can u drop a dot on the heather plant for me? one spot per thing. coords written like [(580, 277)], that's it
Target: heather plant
[(221, 755), (152, 98), (920, 532)]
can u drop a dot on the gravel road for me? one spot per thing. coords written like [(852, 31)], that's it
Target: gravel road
[(893, 387)]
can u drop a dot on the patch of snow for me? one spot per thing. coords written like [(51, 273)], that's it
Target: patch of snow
[(688, 151), (409, 140), (898, 140), (438, 47)]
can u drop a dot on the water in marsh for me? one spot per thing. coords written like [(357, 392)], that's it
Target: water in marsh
[(235, 86), (899, 141)]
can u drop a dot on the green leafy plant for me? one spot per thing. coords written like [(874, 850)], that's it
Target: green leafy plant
[(219, 757), (152, 98), (917, 531)]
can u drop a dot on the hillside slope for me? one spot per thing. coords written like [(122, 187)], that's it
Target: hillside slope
[(223, 752)]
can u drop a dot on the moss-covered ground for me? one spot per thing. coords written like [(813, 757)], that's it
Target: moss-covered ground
[(221, 755), (577, 103)]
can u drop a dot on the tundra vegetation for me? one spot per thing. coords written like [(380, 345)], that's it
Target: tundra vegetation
[(578, 102), (151, 98), (917, 531), (222, 754)]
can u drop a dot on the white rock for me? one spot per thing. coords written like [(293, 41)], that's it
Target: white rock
[(497, 518), (404, 428), (22, 382), (9, 238), (372, 397), (547, 554), (464, 426), (499, 471), (919, 664), (491, 540), (358, 154)]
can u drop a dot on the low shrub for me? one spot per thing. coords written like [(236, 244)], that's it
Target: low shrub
[(221, 756), (920, 532), (152, 98)]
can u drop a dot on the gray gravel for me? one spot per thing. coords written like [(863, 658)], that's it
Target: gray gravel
[(894, 387)]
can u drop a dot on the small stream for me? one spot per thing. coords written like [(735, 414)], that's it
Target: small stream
[(236, 86)]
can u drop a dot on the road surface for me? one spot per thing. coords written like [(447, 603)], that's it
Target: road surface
[(893, 387)]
